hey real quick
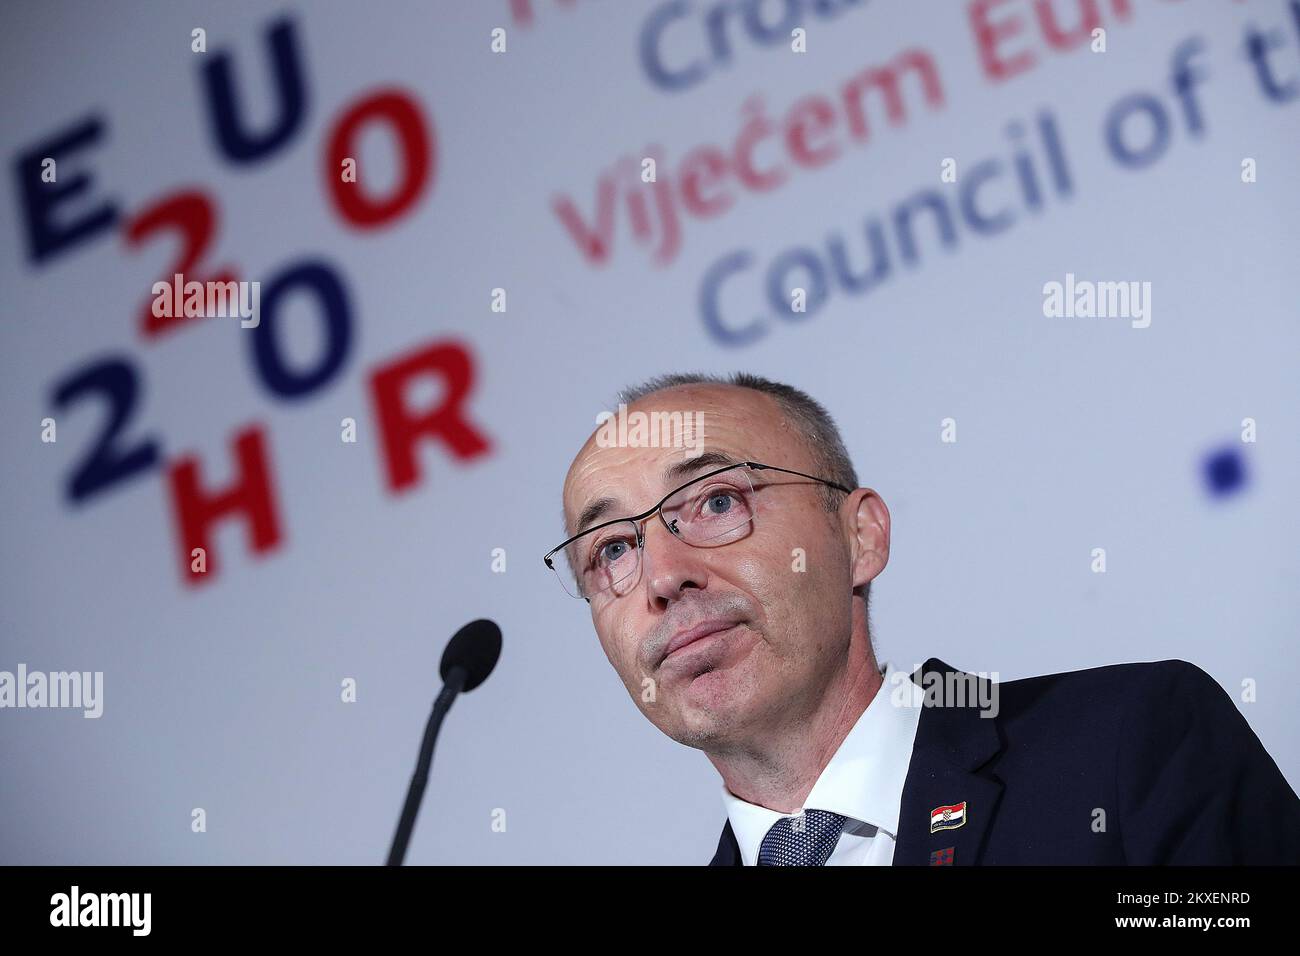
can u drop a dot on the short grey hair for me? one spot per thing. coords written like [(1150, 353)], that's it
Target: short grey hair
[(811, 420)]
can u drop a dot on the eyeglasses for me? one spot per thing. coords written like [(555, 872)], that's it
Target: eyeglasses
[(707, 512)]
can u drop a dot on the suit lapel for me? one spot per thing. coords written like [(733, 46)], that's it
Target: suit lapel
[(728, 853), (952, 742)]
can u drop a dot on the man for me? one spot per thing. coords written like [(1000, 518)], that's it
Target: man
[(729, 588)]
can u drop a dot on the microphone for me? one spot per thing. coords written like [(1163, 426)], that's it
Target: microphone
[(468, 660)]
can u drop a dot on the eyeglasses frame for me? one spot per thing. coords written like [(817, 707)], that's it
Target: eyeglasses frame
[(638, 520)]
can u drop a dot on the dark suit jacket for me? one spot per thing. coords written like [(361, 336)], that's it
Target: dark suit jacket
[(1158, 748)]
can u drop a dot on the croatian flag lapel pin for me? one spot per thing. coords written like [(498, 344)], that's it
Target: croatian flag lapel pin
[(947, 818)]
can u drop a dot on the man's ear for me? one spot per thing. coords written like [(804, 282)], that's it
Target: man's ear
[(866, 522)]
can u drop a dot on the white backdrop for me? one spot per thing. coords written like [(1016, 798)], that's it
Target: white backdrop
[(1073, 433)]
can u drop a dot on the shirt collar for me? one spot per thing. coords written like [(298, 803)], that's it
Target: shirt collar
[(864, 779)]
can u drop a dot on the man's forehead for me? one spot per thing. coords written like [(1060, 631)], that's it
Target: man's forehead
[(738, 423), (727, 414)]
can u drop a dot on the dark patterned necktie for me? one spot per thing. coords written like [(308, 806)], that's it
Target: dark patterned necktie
[(801, 841)]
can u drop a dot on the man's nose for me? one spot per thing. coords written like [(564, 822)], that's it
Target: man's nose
[(671, 565)]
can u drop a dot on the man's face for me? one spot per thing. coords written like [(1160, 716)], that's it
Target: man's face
[(783, 617)]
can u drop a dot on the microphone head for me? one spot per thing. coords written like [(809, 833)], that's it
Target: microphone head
[(475, 647)]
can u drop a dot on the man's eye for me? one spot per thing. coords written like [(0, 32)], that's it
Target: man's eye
[(610, 551), (720, 503)]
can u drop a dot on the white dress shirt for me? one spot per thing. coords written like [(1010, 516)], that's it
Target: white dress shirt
[(863, 781)]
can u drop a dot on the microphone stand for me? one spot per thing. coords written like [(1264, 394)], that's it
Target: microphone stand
[(415, 793)]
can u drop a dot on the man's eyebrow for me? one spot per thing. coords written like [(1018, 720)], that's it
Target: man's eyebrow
[(595, 510), (672, 474), (709, 459)]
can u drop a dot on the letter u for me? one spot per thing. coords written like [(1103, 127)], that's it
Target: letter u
[(236, 142)]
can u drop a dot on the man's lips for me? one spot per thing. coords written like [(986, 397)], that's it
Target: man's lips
[(693, 634)]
